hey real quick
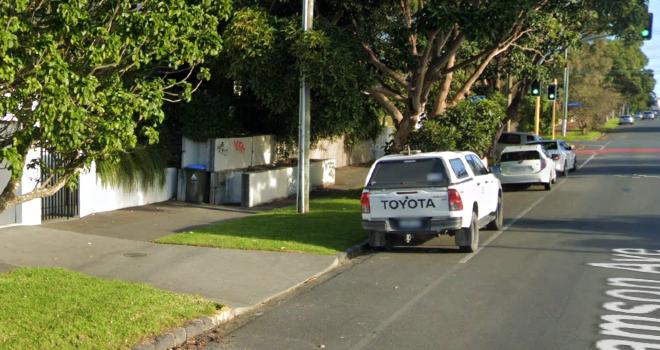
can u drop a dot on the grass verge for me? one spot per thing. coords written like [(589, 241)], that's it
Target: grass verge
[(332, 225), (576, 135), (49, 308)]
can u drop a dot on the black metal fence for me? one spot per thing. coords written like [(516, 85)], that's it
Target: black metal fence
[(64, 203)]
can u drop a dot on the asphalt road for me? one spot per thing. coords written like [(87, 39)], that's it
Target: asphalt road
[(531, 286)]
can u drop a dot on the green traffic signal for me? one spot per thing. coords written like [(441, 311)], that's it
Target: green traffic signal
[(552, 92), (536, 88), (647, 32)]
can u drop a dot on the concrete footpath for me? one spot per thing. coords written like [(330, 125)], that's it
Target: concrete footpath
[(236, 278)]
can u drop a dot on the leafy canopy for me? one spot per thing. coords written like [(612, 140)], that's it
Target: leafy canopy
[(84, 79)]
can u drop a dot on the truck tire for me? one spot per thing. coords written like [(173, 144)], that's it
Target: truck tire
[(564, 172), (498, 222), (469, 237), (377, 240), (548, 185)]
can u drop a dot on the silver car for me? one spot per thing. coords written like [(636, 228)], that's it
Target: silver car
[(626, 120), (561, 153), (648, 115)]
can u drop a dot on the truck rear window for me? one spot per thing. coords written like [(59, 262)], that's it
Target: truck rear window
[(511, 139), (518, 156), (409, 173)]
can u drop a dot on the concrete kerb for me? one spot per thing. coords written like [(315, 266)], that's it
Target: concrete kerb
[(180, 335)]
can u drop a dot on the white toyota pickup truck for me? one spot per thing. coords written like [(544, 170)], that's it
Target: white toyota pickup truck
[(429, 194)]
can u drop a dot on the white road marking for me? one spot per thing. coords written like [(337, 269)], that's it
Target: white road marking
[(605, 145), (498, 233), (525, 212), (586, 161)]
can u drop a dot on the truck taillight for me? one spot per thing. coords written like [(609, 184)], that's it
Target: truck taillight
[(542, 164), (455, 202), (364, 201)]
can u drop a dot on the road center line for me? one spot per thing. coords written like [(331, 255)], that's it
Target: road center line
[(586, 161), (605, 145), (513, 222)]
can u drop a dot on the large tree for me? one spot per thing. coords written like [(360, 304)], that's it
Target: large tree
[(413, 58), (84, 79)]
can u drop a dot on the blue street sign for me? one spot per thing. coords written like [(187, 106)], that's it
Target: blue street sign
[(575, 104)]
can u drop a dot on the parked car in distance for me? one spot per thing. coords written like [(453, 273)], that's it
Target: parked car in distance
[(626, 120), (638, 115), (421, 196), (514, 139), (527, 164), (648, 115), (561, 153)]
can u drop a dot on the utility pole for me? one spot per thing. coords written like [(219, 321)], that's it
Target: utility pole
[(509, 100), (564, 122), (554, 102), (302, 193)]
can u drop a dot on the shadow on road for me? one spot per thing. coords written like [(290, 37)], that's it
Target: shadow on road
[(639, 127), (611, 231)]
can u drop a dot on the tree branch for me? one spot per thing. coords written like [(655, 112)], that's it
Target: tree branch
[(391, 108), (441, 101), (398, 77), (412, 37)]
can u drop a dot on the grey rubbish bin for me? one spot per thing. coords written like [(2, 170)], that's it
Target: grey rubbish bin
[(197, 183)]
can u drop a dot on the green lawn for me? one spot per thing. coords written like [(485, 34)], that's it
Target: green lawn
[(572, 136), (332, 225), (47, 308), (576, 135)]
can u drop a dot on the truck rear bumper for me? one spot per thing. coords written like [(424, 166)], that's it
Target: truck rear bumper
[(430, 226)]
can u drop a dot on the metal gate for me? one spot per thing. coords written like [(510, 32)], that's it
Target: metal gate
[(64, 203)]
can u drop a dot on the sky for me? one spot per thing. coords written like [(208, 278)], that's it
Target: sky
[(652, 47)]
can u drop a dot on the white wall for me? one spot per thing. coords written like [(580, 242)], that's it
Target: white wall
[(242, 152), (360, 152), (96, 197), (29, 213), (269, 185)]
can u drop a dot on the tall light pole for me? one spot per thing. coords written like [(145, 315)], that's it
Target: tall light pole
[(302, 193), (564, 122)]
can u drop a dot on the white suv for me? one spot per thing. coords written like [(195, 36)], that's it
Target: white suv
[(514, 139), (526, 165), (430, 194)]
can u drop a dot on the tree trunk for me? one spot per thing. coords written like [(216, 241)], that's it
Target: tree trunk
[(8, 195), (402, 134)]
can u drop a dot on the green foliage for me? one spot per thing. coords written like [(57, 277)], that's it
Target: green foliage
[(208, 116), (468, 126), (266, 55), (143, 167), (52, 308), (97, 73)]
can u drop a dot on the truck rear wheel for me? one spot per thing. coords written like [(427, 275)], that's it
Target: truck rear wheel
[(498, 222), (467, 239), (377, 240)]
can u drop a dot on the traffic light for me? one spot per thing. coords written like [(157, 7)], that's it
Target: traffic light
[(647, 31), (536, 88), (552, 92)]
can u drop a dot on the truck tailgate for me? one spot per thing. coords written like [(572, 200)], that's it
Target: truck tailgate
[(402, 203)]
